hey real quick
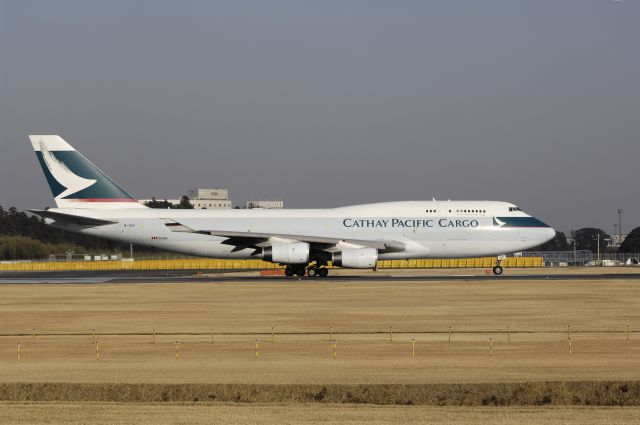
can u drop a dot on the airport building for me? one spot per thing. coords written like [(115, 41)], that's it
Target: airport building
[(210, 198)]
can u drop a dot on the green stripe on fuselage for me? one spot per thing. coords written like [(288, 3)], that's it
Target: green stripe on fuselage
[(520, 222)]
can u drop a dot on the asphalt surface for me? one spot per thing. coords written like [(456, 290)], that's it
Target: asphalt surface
[(178, 276)]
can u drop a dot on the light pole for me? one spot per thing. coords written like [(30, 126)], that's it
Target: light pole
[(620, 211), (598, 247), (615, 232), (573, 237)]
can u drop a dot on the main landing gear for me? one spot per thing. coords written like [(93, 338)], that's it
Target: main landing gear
[(294, 270), (498, 270), (301, 270)]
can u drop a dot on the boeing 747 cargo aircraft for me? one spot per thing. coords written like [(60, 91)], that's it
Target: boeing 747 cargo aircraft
[(305, 240)]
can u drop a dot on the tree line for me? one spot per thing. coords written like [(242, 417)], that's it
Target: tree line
[(587, 239), (184, 204), (23, 236)]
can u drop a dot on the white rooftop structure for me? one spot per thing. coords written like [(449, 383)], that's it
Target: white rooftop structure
[(267, 204), (210, 198)]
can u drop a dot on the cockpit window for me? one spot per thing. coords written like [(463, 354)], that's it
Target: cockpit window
[(514, 209)]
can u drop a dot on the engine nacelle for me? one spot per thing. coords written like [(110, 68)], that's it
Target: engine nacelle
[(358, 258), (287, 253)]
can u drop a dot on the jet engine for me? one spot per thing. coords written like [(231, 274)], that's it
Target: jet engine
[(358, 258), (287, 253)]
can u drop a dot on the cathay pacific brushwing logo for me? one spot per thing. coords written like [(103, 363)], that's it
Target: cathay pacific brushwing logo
[(497, 222), (59, 170)]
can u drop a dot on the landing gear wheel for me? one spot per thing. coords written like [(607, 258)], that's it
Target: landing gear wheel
[(300, 271), (312, 271), (323, 272), (497, 270), (289, 271)]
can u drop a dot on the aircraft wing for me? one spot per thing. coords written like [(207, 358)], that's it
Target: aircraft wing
[(242, 240), (72, 218)]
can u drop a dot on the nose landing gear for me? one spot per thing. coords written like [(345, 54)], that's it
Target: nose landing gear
[(498, 270)]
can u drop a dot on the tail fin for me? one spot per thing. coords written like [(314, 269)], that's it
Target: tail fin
[(74, 181)]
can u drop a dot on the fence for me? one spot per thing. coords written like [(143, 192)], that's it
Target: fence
[(581, 257), (218, 264), (360, 341)]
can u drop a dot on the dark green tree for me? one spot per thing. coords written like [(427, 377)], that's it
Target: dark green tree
[(558, 243), (185, 203), (631, 242), (587, 239), (153, 203)]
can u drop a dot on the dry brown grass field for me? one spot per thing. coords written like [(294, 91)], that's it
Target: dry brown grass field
[(537, 313), (116, 413), (597, 311)]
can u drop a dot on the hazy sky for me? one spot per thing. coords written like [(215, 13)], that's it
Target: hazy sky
[(328, 103)]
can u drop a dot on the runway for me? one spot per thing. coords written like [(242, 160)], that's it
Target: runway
[(222, 276)]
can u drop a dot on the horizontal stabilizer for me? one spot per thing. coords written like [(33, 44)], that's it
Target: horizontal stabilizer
[(72, 218)]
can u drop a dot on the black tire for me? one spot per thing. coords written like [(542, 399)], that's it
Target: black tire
[(323, 272), (300, 271), (497, 270), (289, 272), (312, 272)]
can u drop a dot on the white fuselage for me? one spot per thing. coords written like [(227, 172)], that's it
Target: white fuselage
[(426, 229)]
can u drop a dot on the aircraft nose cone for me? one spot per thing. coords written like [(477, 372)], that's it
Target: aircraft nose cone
[(549, 233)]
